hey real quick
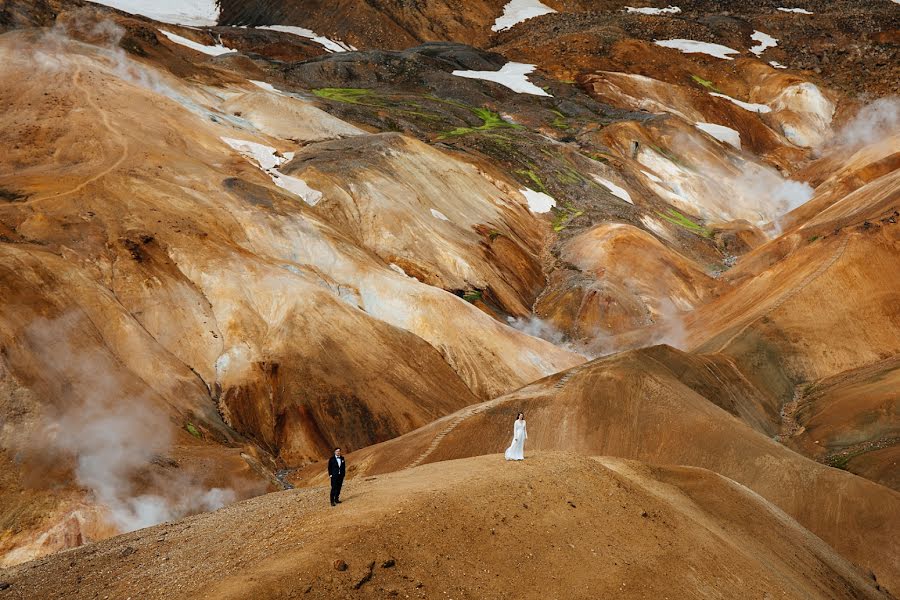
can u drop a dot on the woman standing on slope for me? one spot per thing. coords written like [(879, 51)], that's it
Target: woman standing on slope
[(516, 450)]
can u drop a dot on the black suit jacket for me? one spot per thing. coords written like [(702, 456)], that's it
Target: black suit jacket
[(334, 470)]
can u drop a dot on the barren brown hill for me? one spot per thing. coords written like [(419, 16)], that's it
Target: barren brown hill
[(634, 406), (475, 528)]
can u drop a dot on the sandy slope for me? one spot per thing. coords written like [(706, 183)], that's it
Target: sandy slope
[(555, 526), (635, 405)]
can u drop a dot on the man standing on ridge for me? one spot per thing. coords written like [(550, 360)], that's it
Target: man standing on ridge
[(337, 468)]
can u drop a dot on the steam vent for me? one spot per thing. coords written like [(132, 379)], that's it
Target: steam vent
[(599, 299)]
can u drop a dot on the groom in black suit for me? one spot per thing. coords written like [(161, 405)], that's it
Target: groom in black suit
[(337, 468)]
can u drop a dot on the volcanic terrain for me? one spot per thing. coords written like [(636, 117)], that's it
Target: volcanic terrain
[(235, 235)]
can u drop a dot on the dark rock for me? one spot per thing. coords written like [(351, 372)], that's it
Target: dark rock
[(340, 565), (388, 563), (365, 577)]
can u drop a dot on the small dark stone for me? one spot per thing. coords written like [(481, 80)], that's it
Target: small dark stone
[(644, 514), (4, 585), (340, 565), (128, 551), (388, 563), (572, 504), (365, 577)]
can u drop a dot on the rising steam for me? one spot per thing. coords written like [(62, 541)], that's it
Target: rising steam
[(871, 124), (112, 434)]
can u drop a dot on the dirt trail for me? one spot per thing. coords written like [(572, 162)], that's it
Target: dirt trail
[(478, 409), (459, 418), (114, 134)]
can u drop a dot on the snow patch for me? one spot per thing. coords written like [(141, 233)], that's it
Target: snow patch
[(778, 65), (297, 187), (267, 86), (268, 160), (200, 13), (538, 202), (520, 10), (799, 11), (695, 47), (652, 177), (671, 10), (328, 44), (439, 215), (512, 75), (614, 189), (757, 108), (183, 41), (721, 133), (765, 41)]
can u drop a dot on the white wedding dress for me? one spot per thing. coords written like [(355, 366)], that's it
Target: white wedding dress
[(516, 450)]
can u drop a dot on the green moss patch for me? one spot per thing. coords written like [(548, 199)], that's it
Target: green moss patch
[(673, 216), (534, 178), (564, 215), (489, 120), (705, 83), (348, 95)]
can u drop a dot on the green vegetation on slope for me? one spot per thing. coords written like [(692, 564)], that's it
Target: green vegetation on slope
[(563, 215), (706, 83), (348, 95), (673, 216), (489, 120)]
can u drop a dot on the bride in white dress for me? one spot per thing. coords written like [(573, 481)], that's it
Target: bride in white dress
[(516, 450)]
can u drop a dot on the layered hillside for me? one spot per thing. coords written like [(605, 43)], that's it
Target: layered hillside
[(234, 235)]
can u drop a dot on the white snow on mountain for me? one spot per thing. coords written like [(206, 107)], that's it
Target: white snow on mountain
[(695, 47), (177, 12), (757, 108), (765, 41), (267, 86), (721, 133), (328, 44), (518, 11), (267, 159), (646, 10), (538, 202), (617, 191), (513, 75), (183, 41)]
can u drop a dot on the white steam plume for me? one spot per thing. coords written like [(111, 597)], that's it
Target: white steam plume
[(537, 327), (871, 124), (112, 434), (85, 25)]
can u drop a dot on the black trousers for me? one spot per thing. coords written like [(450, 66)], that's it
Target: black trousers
[(336, 483)]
